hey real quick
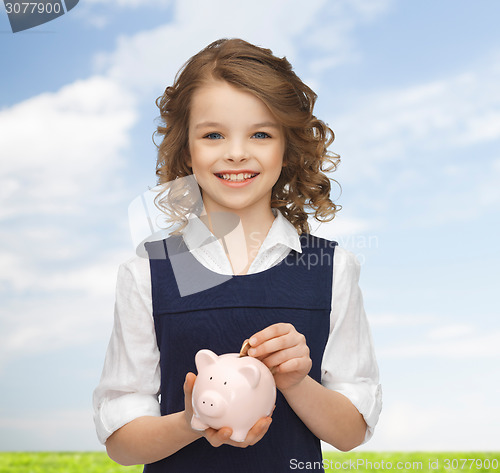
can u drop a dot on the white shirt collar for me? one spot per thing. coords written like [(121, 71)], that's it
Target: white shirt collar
[(196, 234), (282, 232)]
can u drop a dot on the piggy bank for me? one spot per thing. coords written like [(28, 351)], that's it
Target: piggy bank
[(231, 391)]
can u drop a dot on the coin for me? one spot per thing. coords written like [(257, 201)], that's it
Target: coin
[(244, 348)]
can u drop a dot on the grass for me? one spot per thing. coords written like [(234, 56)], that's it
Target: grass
[(426, 462), (53, 462), (432, 462)]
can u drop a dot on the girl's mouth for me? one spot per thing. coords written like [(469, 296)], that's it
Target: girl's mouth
[(236, 179), (233, 177)]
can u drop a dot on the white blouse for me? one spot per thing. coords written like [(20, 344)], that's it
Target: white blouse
[(130, 381)]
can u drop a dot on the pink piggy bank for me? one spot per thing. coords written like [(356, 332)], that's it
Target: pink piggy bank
[(231, 391)]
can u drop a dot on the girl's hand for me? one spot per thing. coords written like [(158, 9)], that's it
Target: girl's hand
[(284, 351), (221, 436)]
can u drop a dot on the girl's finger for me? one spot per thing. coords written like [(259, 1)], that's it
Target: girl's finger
[(258, 431), (218, 437), (291, 341), (272, 331), (221, 436), (188, 391), (271, 346), (282, 356), (295, 364), (189, 383), (188, 396)]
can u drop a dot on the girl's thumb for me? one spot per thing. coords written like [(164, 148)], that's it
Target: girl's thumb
[(189, 383)]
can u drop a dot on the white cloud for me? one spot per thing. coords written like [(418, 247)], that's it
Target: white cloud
[(94, 278), (398, 320), (370, 9), (410, 148), (49, 430), (451, 331), (448, 344), (48, 323), (445, 426), (59, 148), (148, 61), (449, 113), (61, 153), (100, 14), (342, 229), (73, 144), (426, 336)]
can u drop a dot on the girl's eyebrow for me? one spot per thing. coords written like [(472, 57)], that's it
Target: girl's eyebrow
[(208, 124), (218, 125), (266, 124)]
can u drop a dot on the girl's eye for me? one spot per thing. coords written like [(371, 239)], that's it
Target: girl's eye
[(261, 135), (213, 136)]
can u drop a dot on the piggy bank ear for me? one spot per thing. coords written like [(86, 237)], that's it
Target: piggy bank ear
[(205, 358), (251, 374)]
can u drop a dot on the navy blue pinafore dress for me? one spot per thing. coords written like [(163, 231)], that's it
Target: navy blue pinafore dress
[(231, 309)]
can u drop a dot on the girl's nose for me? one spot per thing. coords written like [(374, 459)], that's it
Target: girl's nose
[(236, 151)]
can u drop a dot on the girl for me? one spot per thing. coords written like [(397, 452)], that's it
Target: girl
[(240, 121)]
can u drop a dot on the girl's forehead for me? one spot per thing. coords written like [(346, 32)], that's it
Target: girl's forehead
[(214, 87), (221, 99)]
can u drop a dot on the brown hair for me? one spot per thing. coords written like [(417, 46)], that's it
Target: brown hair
[(302, 181)]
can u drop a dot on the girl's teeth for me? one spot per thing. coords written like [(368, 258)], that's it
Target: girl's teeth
[(237, 177)]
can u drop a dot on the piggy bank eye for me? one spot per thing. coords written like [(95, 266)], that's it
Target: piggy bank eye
[(225, 382), (210, 378)]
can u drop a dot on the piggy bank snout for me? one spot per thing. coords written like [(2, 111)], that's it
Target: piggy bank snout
[(211, 404)]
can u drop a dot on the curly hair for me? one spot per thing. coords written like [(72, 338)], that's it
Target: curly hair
[(302, 182)]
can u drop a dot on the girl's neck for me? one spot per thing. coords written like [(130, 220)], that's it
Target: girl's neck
[(241, 241), (251, 220)]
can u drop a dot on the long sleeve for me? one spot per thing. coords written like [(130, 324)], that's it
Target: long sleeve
[(349, 365), (130, 379)]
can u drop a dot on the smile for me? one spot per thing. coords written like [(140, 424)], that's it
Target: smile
[(243, 176), (236, 179)]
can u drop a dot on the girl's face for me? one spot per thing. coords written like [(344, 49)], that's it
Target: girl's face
[(236, 149)]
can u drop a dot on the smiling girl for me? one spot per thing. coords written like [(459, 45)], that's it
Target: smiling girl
[(236, 150), (240, 120)]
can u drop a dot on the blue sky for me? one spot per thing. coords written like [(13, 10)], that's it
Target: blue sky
[(411, 91)]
